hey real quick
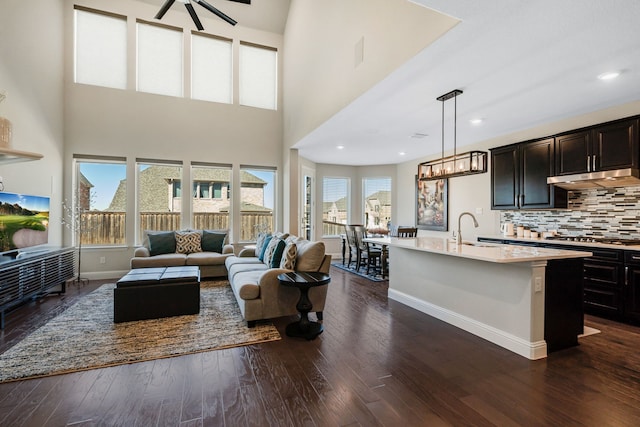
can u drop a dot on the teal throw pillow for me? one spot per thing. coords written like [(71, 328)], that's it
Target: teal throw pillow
[(161, 242), (264, 247), (213, 241), (277, 254)]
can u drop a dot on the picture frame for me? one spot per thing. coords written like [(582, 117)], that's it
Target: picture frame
[(432, 204)]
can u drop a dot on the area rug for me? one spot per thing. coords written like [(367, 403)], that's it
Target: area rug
[(84, 336), (373, 277)]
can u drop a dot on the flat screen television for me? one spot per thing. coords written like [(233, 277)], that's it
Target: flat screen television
[(24, 221)]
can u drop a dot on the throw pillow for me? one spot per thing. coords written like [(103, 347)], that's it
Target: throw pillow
[(310, 255), (289, 255), (188, 242), (213, 241), (263, 249), (277, 254), (161, 242), (260, 240), (270, 251)]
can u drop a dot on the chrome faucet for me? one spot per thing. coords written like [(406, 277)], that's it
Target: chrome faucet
[(459, 234)]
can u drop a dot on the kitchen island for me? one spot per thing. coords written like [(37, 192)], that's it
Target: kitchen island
[(525, 299)]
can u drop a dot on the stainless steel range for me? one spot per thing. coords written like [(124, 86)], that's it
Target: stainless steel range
[(597, 239)]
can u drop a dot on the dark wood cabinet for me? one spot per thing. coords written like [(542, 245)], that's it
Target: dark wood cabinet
[(519, 177), (604, 147), (632, 286)]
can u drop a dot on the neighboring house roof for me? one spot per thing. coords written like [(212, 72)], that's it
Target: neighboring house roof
[(341, 205), (248, 207), (154, 180), (383, 196), (84, 182)]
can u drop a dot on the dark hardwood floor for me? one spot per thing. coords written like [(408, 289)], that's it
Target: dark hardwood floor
[(377, 363)]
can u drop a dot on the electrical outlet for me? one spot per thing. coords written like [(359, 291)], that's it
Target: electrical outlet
[(103, 260), (538, 284)]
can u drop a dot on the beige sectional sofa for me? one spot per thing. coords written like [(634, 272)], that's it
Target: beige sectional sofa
[(207, 249), (254, 276)]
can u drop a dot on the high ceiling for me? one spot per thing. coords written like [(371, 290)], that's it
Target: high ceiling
[(266, 15), (520, 64)]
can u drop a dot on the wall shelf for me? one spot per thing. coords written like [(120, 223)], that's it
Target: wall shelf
[(8, 155)]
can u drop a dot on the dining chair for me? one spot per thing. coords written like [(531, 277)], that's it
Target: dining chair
[(367, 254), (352, 244), (406, 231)]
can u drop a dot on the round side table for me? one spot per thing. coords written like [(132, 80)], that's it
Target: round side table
[(304, 328)]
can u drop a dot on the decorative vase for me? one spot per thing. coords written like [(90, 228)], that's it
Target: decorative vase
[(5, 133)]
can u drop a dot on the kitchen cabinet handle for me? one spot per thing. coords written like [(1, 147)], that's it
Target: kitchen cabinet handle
[(515, 200), (635, 257), (594, 163), (626, 276), (588, 163), (521, 200)]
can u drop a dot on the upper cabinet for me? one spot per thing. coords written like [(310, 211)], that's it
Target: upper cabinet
[(519, 177), (604, 147)]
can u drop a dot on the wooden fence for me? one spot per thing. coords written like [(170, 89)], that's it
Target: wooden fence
[(108, 228)]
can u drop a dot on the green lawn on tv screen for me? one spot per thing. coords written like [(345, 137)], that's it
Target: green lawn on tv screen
[(9, 224)]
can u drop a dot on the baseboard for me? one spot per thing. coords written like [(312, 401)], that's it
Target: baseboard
[(103, 275), (530, 350)]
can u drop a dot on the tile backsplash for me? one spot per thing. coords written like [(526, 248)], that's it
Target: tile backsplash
[(606, 212)]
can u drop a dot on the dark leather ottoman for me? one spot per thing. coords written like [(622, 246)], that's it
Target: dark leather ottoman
[(152, 293)]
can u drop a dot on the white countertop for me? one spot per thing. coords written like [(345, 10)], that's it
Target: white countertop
[(490, 252), (563, 242)]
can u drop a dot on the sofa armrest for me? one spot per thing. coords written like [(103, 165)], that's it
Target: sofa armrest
[(247, 252), (269, 280), (227, 249), (141, 252)]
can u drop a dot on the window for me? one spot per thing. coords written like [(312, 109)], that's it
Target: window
[(159, 60), (100, 49), (158, 203), (335, 205), (211, 69), (211, 213), (258, 76), (257, 198), (100, 197), (377, 203)]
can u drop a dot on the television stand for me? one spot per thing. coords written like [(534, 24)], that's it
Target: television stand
[(31, 276)]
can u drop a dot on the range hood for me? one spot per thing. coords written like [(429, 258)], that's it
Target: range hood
[(603, 179)]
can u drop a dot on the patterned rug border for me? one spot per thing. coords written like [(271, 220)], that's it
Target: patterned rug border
[(270, 333), (377, 278)]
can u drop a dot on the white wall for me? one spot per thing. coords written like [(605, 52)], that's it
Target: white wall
[(31, 74), (110, 122)]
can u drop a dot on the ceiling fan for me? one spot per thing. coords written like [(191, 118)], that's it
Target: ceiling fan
[(187, 3)]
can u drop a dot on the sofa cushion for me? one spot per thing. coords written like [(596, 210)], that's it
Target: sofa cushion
[(213, 241), (264, 248), (289, 255), (310, 255), (188, 242), (164, 260), (161, 242), (207, 258), (243, 268)]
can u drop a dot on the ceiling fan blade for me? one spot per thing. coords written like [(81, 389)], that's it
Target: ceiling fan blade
[(167, 4), (195, 18), (216, 11), (242, 1)]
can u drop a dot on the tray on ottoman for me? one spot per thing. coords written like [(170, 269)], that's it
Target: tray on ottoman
[(152, 293)]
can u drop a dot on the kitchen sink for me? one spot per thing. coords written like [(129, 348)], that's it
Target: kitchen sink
[(479, 244)]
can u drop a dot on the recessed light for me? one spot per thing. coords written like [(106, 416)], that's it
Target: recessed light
[(609, 75), (475, 121), (402, 153), (419, 135), (340, 147)]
